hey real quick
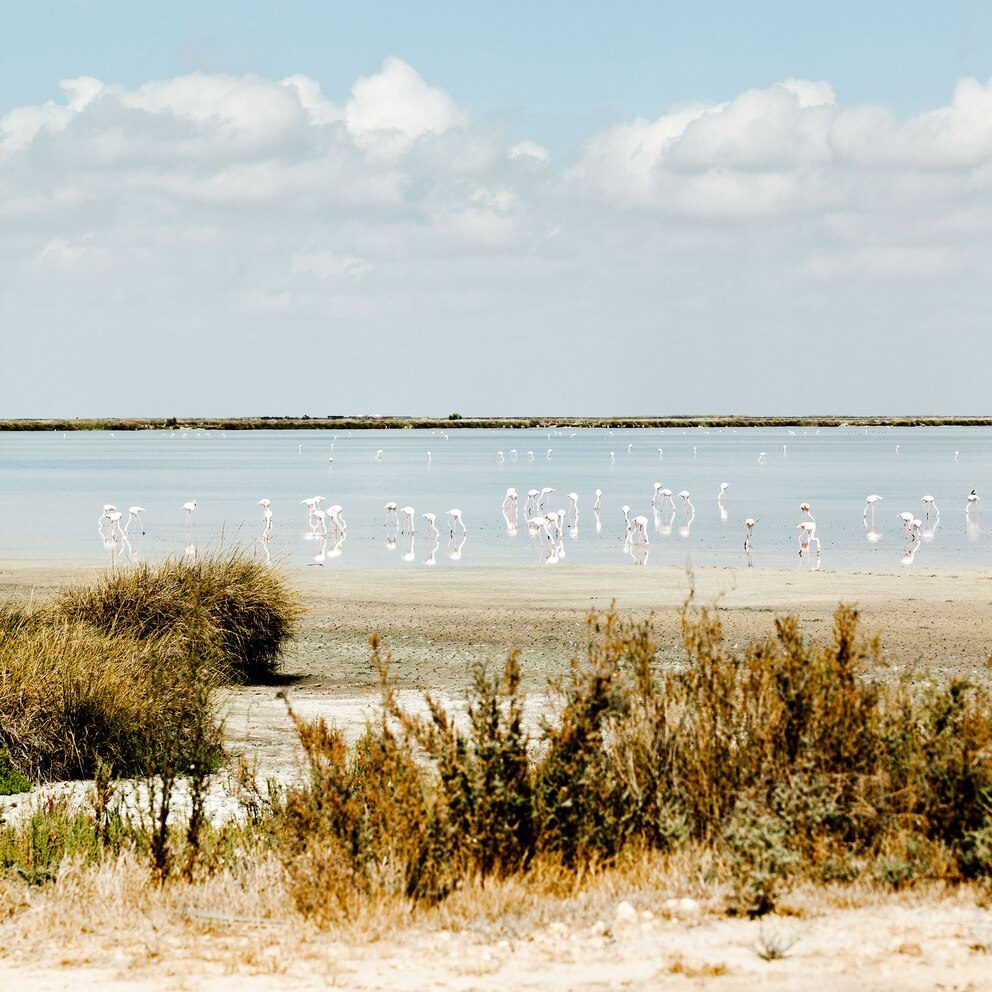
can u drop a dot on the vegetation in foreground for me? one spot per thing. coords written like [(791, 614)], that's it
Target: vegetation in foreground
[(738, 772), (122, 675)]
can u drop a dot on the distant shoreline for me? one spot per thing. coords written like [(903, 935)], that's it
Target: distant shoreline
[(457, 422)]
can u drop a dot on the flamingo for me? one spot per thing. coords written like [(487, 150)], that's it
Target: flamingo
[(531, 507), (266, 518), (929, 503), (431, 524), (510, 499), (806, 514), (335, 515), (907, 519), (455, 517), (762, 458), (134, 516), (391, 515), (499, 457), (189, 508), (686, 502), (870, 502), (408, 512), (973, 502), (724, 486), (115, 521), (599, 496), (657, 490), (640, 531), (545, 493), (108, 508), (748, 531), (807, 534), (319, 526)]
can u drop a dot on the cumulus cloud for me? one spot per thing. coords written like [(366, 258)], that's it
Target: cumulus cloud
[(394, 107), (209, 201), (782, 148), (530, 150)]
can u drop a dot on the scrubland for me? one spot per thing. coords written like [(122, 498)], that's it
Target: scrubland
[(755, 789)]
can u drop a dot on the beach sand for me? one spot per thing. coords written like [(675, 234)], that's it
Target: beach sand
[(437, 623)]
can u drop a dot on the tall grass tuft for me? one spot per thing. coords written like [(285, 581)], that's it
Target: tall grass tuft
[(72, 700), (226, 606)]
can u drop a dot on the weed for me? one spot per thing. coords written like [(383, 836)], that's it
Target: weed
[(772, 946)]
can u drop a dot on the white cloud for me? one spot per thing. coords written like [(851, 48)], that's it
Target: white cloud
[(390, 110), (199, 204), (328, 264), (531, 150)]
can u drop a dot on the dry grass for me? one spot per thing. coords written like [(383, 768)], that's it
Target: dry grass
[(72, 699), (228, 607)]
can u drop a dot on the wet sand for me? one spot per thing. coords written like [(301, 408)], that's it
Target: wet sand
[(437, 623)]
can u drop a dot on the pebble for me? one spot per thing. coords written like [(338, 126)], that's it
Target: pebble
[(684, 909), (625, 913)]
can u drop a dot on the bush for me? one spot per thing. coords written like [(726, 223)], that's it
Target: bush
[(779, 761), (227, 607), (12, 782)]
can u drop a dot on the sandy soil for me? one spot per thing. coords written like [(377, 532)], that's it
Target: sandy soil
[(895, 945), (437, 624)]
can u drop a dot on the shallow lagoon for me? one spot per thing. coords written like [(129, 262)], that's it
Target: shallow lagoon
[(54, 486)]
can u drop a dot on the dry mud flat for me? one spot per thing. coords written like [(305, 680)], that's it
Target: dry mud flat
[(437, 624)]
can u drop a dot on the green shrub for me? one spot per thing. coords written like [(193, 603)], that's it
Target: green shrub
[(12, 781)]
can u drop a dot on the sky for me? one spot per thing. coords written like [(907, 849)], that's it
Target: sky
[(540, 208)]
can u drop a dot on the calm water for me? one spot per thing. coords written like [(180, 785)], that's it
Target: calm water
[(53, 487)]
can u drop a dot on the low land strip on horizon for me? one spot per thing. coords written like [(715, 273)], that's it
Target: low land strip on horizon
[(455, 421)]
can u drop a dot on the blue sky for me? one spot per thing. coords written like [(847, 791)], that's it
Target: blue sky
[(498, 208)]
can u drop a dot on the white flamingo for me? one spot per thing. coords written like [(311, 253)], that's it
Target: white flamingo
[(455, 519), (870, 502)]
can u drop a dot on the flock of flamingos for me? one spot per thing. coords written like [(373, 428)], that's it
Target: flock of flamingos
[(546, 528)]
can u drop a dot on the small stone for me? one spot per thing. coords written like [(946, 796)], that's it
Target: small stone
[(684, 909), (625, 913)]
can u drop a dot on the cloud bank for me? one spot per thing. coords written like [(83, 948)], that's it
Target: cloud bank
[(210, 219)]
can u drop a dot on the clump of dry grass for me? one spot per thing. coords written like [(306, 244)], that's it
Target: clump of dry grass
[(226, 606), (72, 699), (121, 674)]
